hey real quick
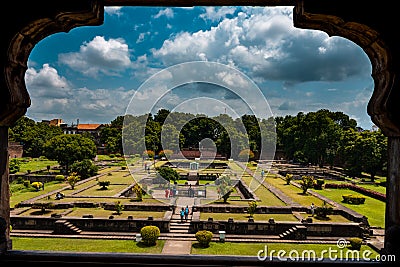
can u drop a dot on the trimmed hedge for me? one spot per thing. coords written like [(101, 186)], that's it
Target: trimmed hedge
[(204, 238), (353, 199), (150, 234)]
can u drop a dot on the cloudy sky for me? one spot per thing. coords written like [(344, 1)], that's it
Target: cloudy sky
[(97, 73)]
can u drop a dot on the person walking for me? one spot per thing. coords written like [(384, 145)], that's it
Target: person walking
[(186, 213), (182, 213), (312, 207)]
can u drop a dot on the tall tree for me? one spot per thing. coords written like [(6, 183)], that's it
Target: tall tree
[(69, 148)]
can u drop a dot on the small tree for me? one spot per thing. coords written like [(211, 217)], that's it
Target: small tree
[(104, 185), (138, 191), (72, 179), (252, 207), (85, 168), (307, 181), (119, 207), (288, 178), (14, 165), (323, 211)]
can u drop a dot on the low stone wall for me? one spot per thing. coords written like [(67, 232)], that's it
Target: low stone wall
[(276, 228), (89, 224)]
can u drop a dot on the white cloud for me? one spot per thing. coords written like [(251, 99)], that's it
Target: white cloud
[(108, 57), (52, 96), (168, 12), (113, 10), (217, 13), (264, 44)]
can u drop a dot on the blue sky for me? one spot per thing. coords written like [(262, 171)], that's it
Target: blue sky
[(92, 73)]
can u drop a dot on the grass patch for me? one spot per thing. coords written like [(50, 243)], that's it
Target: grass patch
[(294, 192), (35, 164), (102, 213), (251, 249), (244, 216), (373, 209), (84, 245), (267, 197)]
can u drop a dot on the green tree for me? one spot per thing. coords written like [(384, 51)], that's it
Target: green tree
[(68, 148), (72, 179), (307, 181), (14, 165), (252, 207), (85, 168), (168, 173)]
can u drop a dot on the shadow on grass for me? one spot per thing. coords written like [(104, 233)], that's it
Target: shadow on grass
[(40, 212), (322, 218), (143, 245), (198, 246)]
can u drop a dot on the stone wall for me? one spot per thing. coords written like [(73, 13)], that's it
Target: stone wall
[(277, 228), (89, 224)]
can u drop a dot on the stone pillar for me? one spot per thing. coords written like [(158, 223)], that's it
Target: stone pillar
[(392, 216), (5, 243)]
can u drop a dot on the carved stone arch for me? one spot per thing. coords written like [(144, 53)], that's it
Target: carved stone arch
[(378, 53), (25, 39)]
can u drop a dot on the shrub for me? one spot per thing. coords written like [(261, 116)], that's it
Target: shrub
[(252, 207), (355, 243), (318, 184), (104, 184), (323, 211), (204, 238), (37, 185), (150, 234), (288, 178), (353, 199), (119, 207)]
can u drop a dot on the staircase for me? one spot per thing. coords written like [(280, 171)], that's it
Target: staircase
[(294, 233), (178, 228), (64, 227)]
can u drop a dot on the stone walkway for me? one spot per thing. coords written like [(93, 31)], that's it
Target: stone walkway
[(177, 247)]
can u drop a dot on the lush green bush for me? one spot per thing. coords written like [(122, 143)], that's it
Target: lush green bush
[(204, 238), (323, 211), (150, 234), (85, 168), (37, 185), (353, 199), (355, 243), (104, 184)]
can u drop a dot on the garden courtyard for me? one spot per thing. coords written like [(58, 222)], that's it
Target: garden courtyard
[(246, 207)]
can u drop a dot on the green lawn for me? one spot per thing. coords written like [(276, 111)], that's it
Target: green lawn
[(294, 192), (24, 194), (36, 164), (84, 245), (373, 209), (102, 213), (252, 249), (267, 198)]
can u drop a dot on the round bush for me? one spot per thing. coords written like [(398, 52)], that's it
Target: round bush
[(150, 234), (204, 238)]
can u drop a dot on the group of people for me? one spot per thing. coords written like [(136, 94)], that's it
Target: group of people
[(184, 213), (170, 192)]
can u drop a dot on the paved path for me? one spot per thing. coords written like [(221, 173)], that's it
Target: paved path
[(177, 247)]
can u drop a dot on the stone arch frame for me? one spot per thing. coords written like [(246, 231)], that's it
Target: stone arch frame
[(86, 13)]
